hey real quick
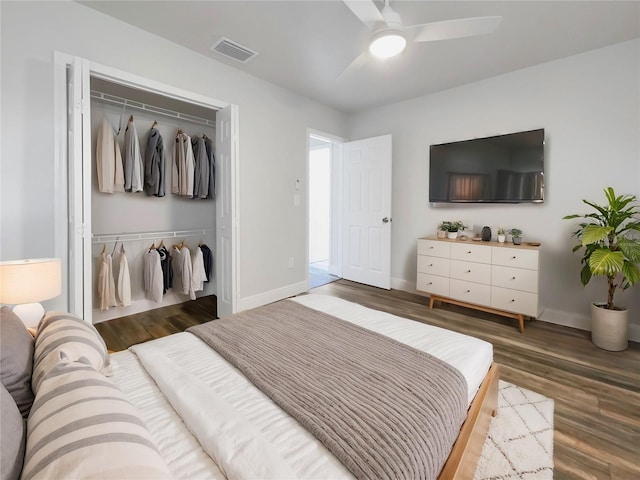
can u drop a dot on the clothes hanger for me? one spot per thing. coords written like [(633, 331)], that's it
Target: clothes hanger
[(114, 247), (155, 123), (104, 247)]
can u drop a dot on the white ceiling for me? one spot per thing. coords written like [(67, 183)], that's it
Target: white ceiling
[(304, 45)]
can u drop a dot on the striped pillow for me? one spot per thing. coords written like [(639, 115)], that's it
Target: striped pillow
[(63, 335), (82, 426)]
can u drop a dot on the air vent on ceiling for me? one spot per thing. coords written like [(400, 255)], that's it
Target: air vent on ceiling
[(233, 50)]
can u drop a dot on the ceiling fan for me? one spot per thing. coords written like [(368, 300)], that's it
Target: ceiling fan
[(389, 36)]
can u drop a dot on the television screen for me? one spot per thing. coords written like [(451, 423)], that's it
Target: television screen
[(502, 169)]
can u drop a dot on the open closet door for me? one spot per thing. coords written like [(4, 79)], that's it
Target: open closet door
[(366, 253), (226, 198), (79, 146)]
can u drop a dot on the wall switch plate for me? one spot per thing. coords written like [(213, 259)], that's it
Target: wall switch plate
[(291, 262)]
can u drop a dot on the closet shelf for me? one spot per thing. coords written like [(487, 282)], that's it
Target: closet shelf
[(108, 98), (130, 237)]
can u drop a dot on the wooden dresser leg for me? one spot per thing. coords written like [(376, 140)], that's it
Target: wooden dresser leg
[(430, 302), (521, 323)]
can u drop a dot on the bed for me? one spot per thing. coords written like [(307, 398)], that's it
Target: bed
[(175, 383)]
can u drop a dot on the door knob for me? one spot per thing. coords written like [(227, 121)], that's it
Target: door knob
[(386, 220)]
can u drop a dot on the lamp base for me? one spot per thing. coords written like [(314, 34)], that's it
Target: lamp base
[(29, 313)]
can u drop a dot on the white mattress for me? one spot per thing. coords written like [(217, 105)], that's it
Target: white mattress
[(306, 457)]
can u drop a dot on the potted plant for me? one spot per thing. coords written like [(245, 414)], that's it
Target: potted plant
[(516, 236), (442, 230), (610, 238), (501, 235), (452, 228)]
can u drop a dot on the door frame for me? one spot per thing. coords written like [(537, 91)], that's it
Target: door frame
[(335, 262), (72, 152)]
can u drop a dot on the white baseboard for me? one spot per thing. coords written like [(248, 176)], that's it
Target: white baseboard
[(568, 319), (272, 296)]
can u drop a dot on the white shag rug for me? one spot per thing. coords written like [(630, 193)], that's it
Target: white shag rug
[(519, 445)]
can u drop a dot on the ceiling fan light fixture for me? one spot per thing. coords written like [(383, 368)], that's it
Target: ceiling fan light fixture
[(387, 43)]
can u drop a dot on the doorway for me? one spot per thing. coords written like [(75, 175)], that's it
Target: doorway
[(322, 173), (73, 158)]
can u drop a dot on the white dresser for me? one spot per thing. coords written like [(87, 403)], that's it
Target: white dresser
[(495, 277)]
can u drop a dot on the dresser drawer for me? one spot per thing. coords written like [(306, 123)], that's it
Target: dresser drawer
[(514, 301), (433, 265), (471, 272), (515, 278), (515, 257), (433, 248), (470, 292), (433, 284), (471, 253)]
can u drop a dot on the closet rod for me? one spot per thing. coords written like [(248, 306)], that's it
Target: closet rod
[(108, 98), (130, 237)]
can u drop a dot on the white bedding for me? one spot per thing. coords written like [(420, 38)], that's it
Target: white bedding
[(298, 449)]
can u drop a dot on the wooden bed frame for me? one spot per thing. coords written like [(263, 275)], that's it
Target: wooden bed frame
[(464, 456)]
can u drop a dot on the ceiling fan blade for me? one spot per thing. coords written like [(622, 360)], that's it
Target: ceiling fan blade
[(354, 66), (459, 28), (366, 11)]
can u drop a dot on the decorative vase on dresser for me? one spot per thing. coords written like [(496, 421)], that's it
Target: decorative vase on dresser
[(493, 277)]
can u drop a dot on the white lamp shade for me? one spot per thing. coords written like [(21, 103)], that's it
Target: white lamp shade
[(387, 43), (29, 281)]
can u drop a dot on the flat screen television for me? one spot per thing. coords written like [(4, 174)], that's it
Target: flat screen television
[(502, 169)]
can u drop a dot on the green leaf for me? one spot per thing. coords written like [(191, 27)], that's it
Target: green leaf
[(606, 262), (585, 275), (595, 234), (631, 273), (630, 249)]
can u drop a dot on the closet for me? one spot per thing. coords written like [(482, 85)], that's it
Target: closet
[(137, 222)]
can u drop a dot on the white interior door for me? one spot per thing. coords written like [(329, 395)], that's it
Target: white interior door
[(226, 222), (367, 211)]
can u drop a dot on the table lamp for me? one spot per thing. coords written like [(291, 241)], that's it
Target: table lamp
[(23, 283)]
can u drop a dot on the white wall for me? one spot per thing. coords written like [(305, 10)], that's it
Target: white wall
[(589, 105), (273, 126)]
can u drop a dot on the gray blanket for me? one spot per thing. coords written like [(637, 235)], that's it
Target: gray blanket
[(384, 409)]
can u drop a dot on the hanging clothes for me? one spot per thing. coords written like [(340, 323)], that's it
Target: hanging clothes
[(207, 258), (198, 276), (167, 270), (183, 269), (124, 280), (212, 167), (133, 167), (183, 167), (106, 286), (153, 275), (154, 164), (108, 160), (201, 169)]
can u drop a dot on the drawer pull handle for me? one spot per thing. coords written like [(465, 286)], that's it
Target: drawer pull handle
[(513, 300), (469, 251), (468, 271), (513, 278), (513, 258), (430, 283), (431, 247), (431, 264), (468, 291)]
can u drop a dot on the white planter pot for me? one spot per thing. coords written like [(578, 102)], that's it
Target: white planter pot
[(609, 328), (452, 235), (501, 238), (441, 234)]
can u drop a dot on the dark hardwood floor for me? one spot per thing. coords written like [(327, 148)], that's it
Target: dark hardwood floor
[(596, 393)]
